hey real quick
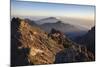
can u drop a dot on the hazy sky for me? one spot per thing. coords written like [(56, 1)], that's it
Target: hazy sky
[(56, 10)]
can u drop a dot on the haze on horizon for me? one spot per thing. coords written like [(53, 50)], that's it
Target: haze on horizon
[(75, 14)]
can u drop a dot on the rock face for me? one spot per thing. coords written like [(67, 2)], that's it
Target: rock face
[(74, 54), (31, 46), (17, 56), (88, 40)]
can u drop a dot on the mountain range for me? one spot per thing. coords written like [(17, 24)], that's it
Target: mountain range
[(72, 31), (32, 45), (51, 22)]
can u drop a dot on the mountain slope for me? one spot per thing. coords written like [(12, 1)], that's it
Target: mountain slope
[(30, 45), (74, 53), (48, 23), (59, 26), (88, 39)]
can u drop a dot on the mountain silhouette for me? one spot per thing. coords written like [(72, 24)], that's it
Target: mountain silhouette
[(72, 31), (59, 26), (47, 20), (88, 40)]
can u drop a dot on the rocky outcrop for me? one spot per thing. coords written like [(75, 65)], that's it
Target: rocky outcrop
[(74, 53), (31, 43), (18, 56), (32, 46)]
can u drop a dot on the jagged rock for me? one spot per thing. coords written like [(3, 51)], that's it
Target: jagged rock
[(31, 46), (74, 54), (41, 48), (18, 56)]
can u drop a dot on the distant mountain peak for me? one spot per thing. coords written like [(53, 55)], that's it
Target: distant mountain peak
[(48, 20), (59, 22), (53, 18)]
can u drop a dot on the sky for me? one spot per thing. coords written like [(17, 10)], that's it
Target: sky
[(87, 2), (37, 9)]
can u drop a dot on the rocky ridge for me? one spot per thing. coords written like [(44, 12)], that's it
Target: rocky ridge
[(31, 46)]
